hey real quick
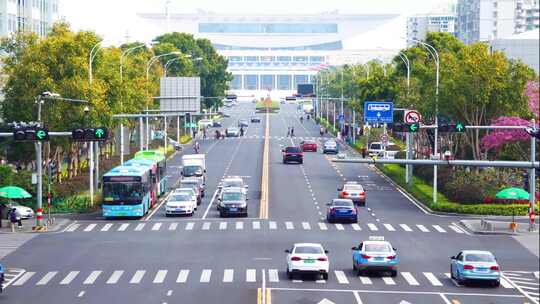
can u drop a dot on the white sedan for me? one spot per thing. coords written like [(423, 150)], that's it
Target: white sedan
[(307, 258), (180, 203)]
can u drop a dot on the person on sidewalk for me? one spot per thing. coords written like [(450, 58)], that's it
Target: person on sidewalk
[(292, 131), (13, 218)]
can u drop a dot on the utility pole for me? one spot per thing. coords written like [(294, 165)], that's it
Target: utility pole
[(532, 182)]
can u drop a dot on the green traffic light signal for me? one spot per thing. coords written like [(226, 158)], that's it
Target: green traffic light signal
[(414, 127), (41, 134), (460, 127), (99, 132)]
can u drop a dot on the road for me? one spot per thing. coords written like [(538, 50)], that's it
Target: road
[(207, 259)]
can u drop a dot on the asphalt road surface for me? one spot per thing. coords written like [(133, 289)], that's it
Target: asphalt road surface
[(208, 259)]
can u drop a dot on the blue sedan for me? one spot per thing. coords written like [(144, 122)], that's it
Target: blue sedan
[(342, 210), (1, 278), (476, 265), (375, 255)]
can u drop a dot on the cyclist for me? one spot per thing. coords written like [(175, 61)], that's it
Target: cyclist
[(196, 147)]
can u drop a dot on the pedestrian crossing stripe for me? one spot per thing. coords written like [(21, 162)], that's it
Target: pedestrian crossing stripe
[(258, 226), (229, 275)]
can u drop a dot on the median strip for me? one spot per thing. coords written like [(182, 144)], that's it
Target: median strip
[(263, 212)]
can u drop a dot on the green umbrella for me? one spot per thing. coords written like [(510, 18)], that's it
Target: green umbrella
[(13, 192), (511, 194)]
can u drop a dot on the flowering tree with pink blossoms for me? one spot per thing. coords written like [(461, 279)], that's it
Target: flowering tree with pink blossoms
[(533, 94)]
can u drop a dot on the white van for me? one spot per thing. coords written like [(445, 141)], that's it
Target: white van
[(376, 148)]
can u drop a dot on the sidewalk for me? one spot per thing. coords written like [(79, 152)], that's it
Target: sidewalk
[(28, 226), (481, 226)]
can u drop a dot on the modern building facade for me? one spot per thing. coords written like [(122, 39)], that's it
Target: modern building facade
[(486, 20), (274, 53), (419, 25), (524, 46), (27, 15)]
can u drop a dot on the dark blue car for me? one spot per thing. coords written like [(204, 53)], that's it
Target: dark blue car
[(1, 278), (342, 210)]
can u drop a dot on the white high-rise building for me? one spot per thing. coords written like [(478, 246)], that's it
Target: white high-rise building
[(27, 15), (485, 20), (419, 25), (527, 15)]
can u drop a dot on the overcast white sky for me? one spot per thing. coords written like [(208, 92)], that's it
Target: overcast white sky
[(112, 19)]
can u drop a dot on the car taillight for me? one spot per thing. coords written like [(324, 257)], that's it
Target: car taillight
[(322, 259), (362, 193), (468, 267), (295, 258), (344, 193), (332, 210), (391, 257), (365, 256), (496, 268)]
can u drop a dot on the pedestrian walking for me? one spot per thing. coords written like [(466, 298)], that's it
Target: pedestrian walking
[(292, 131), (13, 218)]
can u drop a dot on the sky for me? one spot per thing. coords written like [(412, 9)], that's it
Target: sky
[(116, 20)]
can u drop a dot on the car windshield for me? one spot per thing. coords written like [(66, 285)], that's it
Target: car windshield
[(233, 129), (189, 185), (377, 247), (479, 257), (330, 143), (375, 146), (353, 187), (308, 249), (180, 197), (343, 203), (233, 183), (192, 170), (122, 191), (292, 150), (231, 196)]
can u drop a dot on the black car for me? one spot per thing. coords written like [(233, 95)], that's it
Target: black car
[(293, 154), (216, 124), (255, 119)]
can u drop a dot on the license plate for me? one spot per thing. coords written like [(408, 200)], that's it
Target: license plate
[(309, 261), (342, 211), (379, 259), (482, 269), (234, 209)]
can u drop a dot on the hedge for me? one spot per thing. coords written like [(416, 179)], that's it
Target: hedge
[(424, 193)]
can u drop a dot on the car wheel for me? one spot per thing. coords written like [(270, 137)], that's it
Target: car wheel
[(496, 283), (289, 274), (301, 162), (325, 276), (451, 272), (393, 273), (167, 215), (221, 214), (459, 280), (354, 266)]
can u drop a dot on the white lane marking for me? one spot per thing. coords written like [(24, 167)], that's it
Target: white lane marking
[(182, 276), (106, 227), (356, 227), (115, 277), (92, 277), (322, 226), (81, 294), (169, 293), (339, 227), (239, 225), (160, 276), (341, 277), (439, 228), (156, 227), (70, 277), (365, 280), (189, 226), (90, 227), (297, 281), (409, 278), (137, 277), (388, 281), (357, 297), (273, 275), (372, 227), (222, 225), (173, 226), (405, 227), (456, 229), (251, 275), (389, 227), (73, 227), (210, 204), (228, 275), (505, 283), (123, 227), (206, 226), (24, 278), (256, 225), (422, 228), (46, 278), (289, 225), (537, 274), (432, 279), (306, 226), (272, 225), (205, 275), (140, 227)]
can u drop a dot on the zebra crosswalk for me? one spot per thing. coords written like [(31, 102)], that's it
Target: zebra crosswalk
[(259, 225), (527, 282), (226, 276), (10, 242)]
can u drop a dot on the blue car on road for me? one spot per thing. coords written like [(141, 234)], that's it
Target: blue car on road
[(375, 255), (341, 210), (475, 265), (1, 278)]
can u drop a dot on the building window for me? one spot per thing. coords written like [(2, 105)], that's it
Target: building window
[(268, 58), (316, 59), (236, 82), (300, 79), (251, 58), (251, 82), (300, 58), (284, 82), (284, 58), (267, 82), (272, 28), (235, 58)]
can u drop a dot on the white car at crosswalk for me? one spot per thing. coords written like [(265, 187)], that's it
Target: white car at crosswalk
[(307, 258), (180, 203)]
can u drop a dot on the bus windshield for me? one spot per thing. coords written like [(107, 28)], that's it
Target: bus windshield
[(122, 191)]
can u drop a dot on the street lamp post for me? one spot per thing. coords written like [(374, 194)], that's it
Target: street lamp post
[(93, 178)]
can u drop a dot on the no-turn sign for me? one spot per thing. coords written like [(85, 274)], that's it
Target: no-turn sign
[(412, 116)]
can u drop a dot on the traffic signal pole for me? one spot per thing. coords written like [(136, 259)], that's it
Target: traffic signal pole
[(532, 184), (39, 161)]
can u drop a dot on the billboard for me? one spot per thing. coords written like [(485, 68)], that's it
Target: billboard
[(182, 94)]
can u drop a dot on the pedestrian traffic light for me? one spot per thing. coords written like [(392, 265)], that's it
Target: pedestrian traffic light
[(406, 127), (452, 128), (90, 134), (188, 117), (31, 134)]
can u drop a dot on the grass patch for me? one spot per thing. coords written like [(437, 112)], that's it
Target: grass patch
[(272, 105), (424, 193), (184, 139)]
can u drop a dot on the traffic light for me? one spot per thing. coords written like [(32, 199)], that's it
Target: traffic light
[(31, 134), (188, 117), (90, 134), (406, 127), (453, 128)]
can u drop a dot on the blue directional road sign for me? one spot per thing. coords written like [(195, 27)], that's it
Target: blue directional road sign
[(378, 111)]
